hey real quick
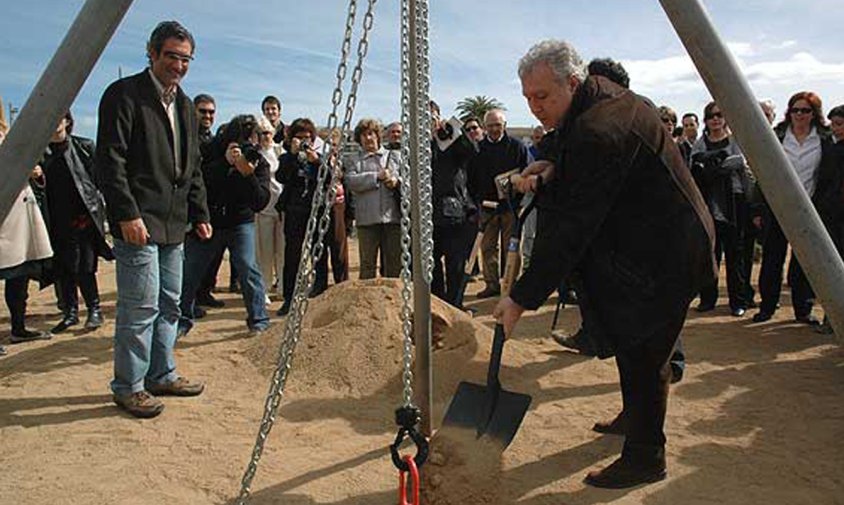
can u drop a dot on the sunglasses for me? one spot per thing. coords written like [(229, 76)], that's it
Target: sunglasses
[(800, 110), (209, 112), (713, 115), (266, 133), (472, 128)]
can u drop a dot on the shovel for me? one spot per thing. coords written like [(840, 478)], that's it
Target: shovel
[(490, 410)]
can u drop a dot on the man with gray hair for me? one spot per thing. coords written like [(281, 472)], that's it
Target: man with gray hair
[(497, 153), (619, 208)]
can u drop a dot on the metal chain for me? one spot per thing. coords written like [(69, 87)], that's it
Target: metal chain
[(425, 204), (404, 176), (311, 250)]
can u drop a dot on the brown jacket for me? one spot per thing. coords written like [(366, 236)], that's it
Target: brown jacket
[(624, 213)]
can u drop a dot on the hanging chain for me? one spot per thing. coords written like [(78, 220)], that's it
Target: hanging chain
[(425, 205), (404, 176), (312, 247)]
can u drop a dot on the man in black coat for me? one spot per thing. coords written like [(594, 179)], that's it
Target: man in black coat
[(147, 165), (623, 212)]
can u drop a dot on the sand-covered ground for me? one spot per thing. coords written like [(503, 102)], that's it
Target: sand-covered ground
[(758, 418)]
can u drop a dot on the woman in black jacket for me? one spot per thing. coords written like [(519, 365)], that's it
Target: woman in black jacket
[(76, 221)]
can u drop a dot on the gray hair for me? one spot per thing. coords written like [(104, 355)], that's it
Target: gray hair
[(499, 112), (265, 125), (561, 56)]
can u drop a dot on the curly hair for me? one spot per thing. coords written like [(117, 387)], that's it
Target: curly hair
[(367, 125)]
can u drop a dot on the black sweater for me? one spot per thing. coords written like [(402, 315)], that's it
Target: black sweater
[(233, 198)]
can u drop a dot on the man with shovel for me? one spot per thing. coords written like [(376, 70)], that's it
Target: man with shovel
[(619, 208)]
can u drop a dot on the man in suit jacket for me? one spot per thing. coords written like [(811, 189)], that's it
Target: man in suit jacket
[(148, 167)]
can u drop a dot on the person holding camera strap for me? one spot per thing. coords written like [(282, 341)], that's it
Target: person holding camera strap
[(723, 178), (237, 179)]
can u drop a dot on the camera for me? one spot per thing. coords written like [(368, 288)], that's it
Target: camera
[(445, 132), (250, 152)]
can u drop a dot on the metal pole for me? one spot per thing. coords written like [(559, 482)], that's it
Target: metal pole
[(421, 289), (782, 189), (54, 93)]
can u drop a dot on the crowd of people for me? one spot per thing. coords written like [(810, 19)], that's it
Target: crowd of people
[(627, 218)]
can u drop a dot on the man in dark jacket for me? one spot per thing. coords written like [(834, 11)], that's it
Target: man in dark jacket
[(147, 164), (238, 183), (497, 153), (623, 212)]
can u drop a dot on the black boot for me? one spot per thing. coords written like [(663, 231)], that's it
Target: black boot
[(71, 318), (91, 294)]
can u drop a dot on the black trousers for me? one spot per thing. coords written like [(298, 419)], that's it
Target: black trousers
[(645, 376), (728, 244), (76, 265), (16, 295), (774, 249), (295, 226), (452, 245)]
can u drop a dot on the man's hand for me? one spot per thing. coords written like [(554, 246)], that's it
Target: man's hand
[(527, 180), (203, 230), (134, 231), (36, 173), (507, 313)]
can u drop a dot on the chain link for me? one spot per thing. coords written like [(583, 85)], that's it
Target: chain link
[(312, 247), (404, 175), (425, 204)]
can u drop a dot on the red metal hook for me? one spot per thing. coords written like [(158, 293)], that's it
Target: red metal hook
[(414, 479)]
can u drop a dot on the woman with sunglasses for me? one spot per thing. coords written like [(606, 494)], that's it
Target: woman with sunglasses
[(807, 144), (723, 178)]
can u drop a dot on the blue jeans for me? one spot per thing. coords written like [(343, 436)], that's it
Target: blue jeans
[(149, 279), (240, 241)]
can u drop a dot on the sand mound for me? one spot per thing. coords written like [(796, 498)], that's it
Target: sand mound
[(461, 469), (351, 343)]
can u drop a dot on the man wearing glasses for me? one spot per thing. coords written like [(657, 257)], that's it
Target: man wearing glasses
[(497, 153), (148, 168)]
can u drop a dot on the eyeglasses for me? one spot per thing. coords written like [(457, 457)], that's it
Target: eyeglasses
[(208, 112), (800, 110), (713, 115), (667, 120), (181, 58), (266, 133)]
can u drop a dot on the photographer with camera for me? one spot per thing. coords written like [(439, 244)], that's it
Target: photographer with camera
[(237, 180), (374, 182), (722, 175), (455, 213), (298, 169)]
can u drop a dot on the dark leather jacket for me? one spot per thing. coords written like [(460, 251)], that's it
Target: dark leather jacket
[(79, 158), (450, 193), (624, 212)]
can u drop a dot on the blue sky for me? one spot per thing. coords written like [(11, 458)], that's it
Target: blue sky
[(247, 49)]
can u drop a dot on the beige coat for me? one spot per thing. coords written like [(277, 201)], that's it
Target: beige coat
[(23, 235)]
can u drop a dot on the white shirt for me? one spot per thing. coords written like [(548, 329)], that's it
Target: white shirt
[(275, 186), (168, 101), (805, 158)]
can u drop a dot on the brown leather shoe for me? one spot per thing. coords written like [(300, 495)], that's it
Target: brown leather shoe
[(616, 426), (624, 473), (178, 387), (140, 404)]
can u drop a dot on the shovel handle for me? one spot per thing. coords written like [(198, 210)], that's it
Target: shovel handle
[(495, 358)]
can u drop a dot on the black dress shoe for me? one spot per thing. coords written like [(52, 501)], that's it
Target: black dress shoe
[(738, 312), (208, 300), (808, 319), (489, 292), (25, 335), (199, 312), (705, 307), (94, 319), (762, 316), (627, 472), (66, 322), (283, 310), (616, 426), (676, 373), (579, 342)]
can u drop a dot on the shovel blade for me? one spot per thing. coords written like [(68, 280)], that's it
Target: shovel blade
[(495, 415)]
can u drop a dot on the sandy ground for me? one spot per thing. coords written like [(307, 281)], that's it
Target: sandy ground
[(758, 418)]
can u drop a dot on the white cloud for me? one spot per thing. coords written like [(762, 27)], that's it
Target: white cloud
[(797, 71), (740, 49)]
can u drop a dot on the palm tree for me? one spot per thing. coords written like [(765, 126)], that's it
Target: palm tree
[(477, 106)]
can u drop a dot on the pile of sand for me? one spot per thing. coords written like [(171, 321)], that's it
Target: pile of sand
[(351, 344)]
